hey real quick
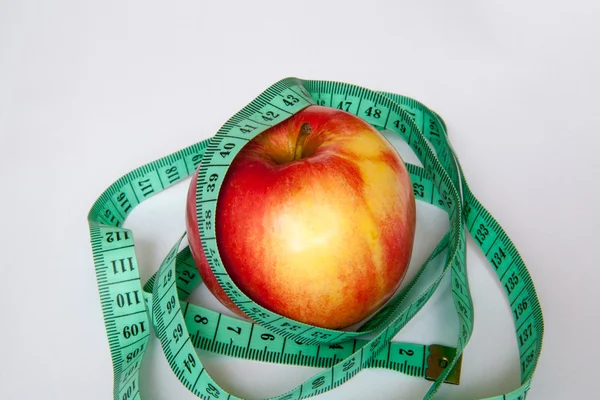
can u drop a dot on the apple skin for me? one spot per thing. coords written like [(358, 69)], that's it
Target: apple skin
[(325, 239)]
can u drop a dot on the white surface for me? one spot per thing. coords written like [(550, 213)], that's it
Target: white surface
[(89, 92)]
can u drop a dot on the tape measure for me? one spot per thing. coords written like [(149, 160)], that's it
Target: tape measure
[(130, 310)]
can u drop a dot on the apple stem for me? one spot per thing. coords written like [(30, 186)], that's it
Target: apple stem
[(305, 130)]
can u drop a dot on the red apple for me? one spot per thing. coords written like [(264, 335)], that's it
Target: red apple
[(315, 220)]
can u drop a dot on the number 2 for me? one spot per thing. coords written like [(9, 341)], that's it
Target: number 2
[(407, 352)]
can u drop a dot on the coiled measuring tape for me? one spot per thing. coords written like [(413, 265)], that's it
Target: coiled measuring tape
[(130, 309)]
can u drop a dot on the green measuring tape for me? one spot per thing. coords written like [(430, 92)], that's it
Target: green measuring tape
[(130, 309)]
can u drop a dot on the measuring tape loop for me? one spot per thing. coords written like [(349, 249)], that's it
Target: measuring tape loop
[(212, 331), (129, 310)]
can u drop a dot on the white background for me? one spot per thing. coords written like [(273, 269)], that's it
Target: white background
[(92, 90)]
